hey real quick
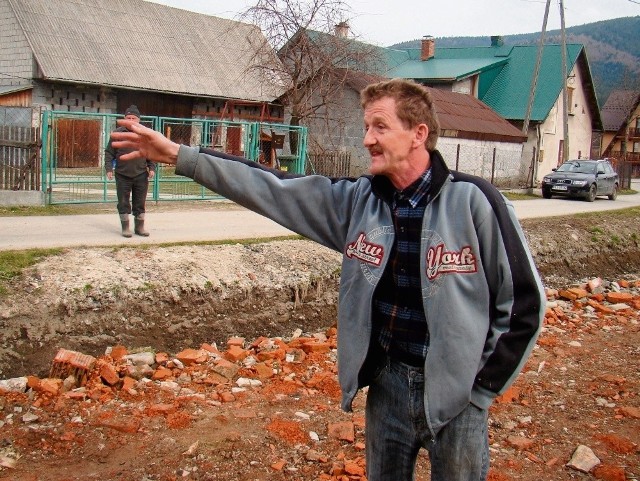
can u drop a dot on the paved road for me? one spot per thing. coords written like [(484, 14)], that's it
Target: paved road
[(217, 224)]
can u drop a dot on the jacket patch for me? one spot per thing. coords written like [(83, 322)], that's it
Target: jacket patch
[(440, 261), (365, 251)]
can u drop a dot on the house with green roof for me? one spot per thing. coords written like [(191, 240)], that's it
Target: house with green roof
[(500, 76), (473, 137)]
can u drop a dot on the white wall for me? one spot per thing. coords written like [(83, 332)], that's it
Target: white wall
[(552, 130), (477, 158)]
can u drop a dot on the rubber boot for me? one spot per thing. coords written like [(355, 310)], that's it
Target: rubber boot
[(139, 225), (124, 222)]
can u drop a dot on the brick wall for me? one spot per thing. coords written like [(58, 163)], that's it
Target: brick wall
[(70, 98)]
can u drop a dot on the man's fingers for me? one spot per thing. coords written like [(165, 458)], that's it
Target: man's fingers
[(131, 155)]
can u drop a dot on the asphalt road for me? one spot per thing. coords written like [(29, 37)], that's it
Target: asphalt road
[(218, 224)]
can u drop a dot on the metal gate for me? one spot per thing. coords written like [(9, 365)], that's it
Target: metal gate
[(73, 153)]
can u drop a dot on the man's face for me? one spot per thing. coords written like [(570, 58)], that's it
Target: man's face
[(132, 118), (389, 142)]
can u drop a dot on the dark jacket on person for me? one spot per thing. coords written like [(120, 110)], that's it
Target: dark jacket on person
[(129, 168)]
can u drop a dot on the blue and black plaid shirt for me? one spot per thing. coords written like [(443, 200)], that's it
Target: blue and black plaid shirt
[(399, 322)]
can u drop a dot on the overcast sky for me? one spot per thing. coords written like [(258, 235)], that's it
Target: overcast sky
[(386, 22)]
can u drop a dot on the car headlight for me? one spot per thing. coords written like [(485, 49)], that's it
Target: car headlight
[(546, 180), (579, 183)]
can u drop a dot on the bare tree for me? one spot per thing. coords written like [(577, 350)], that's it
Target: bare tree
[(316, 56)]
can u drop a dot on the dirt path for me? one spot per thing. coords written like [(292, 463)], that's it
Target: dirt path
[(581, 386)]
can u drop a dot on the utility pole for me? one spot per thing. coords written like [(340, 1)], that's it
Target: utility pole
[(534, 79), (565, 99)]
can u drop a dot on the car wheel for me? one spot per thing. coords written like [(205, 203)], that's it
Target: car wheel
[(546, 194), (591, 196), (614, 194)]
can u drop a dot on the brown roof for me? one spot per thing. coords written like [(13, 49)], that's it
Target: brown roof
[(464, 116), (617, 108)]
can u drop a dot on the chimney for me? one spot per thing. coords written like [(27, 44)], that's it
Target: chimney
[(342, 30), (497, 40), (428, 49)]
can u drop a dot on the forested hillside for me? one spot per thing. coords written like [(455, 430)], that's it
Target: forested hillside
[(612, 47)]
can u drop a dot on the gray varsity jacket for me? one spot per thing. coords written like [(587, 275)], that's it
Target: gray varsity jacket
[(482, 295)]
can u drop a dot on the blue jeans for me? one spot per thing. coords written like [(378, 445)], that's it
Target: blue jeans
[(396, 429)]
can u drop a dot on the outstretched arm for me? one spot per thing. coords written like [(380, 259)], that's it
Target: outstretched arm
[(144, 142)]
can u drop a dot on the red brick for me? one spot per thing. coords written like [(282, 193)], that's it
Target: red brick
[(520, 443), (344, 431), (50, 386), (609, 473), (600, 307), (118, 352), (271, 354), (353, 469), (189, 357), (161, 409), (236, 341), (162, 357), (263, 371), (162, 373), (226, 368), (210, 348), (235, 353), (33, 382), (617, 297), (109, 374), (316, 346), (128, 384)]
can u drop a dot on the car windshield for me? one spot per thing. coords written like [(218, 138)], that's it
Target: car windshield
[(578, 167)]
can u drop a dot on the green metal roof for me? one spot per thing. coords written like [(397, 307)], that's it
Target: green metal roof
[(505, 73), (470, 52), (446, 69), (509, 92)]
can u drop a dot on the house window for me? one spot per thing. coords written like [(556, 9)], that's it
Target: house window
[(570, 100)]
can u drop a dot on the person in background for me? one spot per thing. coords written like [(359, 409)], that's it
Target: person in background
[(132, 180), (440, 302)]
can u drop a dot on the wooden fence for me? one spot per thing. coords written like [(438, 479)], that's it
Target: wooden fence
[(19, 158), (331, 164)]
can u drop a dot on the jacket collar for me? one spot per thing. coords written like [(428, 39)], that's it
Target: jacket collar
[(383, 188)]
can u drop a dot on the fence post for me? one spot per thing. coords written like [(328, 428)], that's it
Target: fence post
[(45, 155), (493, 166)]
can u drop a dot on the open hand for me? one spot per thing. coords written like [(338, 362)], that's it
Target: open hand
[(144, 142)]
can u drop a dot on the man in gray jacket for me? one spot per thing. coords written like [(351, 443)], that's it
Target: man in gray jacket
[(440, 302)]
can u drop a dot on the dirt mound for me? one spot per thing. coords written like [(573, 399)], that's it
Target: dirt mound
[(278, 418), (170, 298)]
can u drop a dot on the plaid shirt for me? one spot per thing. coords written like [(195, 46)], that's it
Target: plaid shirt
[(399, 323)]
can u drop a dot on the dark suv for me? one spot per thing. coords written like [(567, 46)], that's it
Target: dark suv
[(582, 178)]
